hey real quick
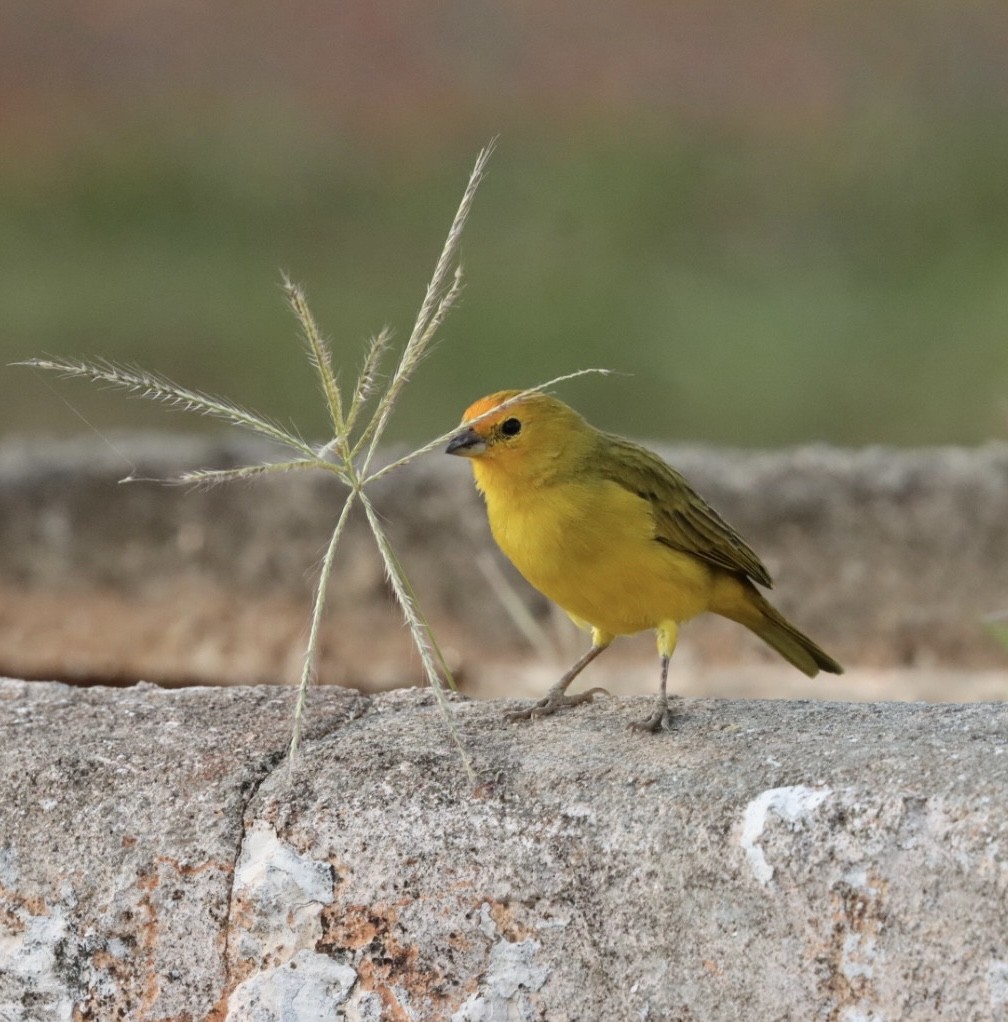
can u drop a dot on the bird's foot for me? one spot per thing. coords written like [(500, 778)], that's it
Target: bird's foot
[(555, 699), (660, 719)]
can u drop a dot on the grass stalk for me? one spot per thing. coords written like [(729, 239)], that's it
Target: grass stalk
[(309, 663), (145, 384), (441, 294), (423, 638), (443, 439), (206, 477), (318, 353), (341, 454)]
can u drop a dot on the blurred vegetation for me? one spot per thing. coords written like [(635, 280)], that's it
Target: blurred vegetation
[(756, 288)]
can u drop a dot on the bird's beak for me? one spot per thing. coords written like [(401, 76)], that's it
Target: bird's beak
[(467, 443)]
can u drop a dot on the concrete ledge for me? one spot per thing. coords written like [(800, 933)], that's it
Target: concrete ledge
[(888, 558), (768, 860)]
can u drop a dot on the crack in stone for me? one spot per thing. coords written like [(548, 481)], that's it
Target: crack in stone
[(269, 763), (252, 786)]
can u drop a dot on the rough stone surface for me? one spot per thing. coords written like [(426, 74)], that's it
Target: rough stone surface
[(889, 558), (767, 860)]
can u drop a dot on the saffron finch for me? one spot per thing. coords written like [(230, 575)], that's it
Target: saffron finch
[(613, 535)]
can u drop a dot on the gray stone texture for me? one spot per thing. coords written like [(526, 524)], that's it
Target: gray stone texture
[(159, 859)]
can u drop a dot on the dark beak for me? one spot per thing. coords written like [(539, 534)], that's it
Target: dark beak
[(467, 444)]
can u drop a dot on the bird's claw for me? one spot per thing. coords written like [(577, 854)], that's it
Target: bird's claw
[(660, 719), (552, 702)]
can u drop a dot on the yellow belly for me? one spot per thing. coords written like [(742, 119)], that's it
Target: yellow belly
[(591, 549)]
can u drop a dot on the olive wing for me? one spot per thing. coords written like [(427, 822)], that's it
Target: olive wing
[(683, 519)]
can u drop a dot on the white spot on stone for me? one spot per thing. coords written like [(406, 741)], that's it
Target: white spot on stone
[(304, 989), (29, 959), (997, 983), (789, 804), (858, 879), (8, 868), (511, 971), (580, 811), (858, 957), (117, 948), (513, 967), (283, 893), (265, 859), (860, 1015), (486, 924)]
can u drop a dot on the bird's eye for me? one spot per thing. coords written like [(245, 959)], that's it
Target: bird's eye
[(511, 427)]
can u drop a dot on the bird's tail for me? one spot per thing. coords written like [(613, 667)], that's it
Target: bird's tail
[(761, 617)]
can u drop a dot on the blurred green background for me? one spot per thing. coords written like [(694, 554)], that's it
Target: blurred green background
[(783, 221)]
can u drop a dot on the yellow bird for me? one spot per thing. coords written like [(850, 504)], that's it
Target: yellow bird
[(615, 536)]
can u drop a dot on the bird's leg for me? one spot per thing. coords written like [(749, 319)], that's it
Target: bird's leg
[(556, 698), (661, 717)]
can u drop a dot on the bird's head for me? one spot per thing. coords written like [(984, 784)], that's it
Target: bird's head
[(527, 440)]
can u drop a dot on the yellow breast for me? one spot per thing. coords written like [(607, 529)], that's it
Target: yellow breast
[(589, 546)]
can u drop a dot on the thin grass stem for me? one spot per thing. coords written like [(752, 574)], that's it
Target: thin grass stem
[(339, 454), (309, 668), (515, 608), (213, 476), (437, 300), (149, 385), (443, 439), (420, 631), (368, 377), (319, 355)]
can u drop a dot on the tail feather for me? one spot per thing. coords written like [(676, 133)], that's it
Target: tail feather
[(795, 646), (761, 617)]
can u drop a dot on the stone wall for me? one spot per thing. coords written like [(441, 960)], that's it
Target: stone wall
[(766, 860)]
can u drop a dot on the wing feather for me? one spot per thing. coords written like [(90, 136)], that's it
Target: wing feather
[(683, 520)]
